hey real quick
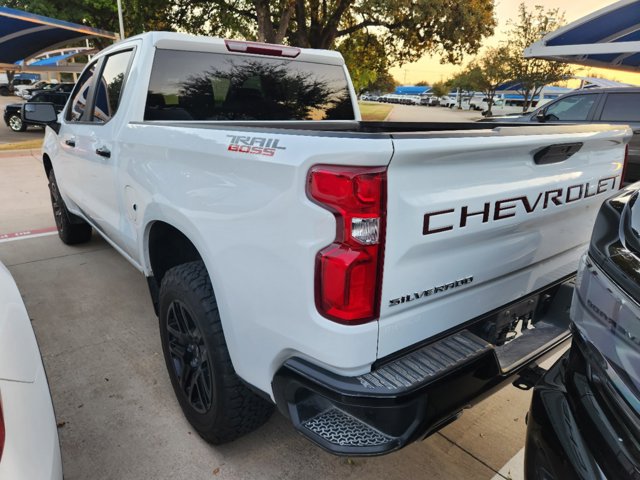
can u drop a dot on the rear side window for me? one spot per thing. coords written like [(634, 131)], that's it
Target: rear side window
[(573, 108), (621, 107), (109, 88), (213, 86)]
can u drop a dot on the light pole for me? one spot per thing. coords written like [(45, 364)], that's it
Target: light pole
[(120, 20)]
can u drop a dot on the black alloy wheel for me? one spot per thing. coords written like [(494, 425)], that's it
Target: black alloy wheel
[(216, 402), (189, 357)]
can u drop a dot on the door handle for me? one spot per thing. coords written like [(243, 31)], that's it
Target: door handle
[(103, 152), (71, 142)]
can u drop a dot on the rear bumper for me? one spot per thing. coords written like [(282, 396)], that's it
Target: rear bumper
[(401, 401)]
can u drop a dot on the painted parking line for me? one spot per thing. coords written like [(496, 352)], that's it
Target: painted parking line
[(513, 469), (25, 234)]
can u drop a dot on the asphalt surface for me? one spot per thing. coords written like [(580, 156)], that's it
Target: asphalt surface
[(9, 136), (419, 113), (117, 414)]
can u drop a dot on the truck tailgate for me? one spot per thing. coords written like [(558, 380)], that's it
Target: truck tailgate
[(476, 220)]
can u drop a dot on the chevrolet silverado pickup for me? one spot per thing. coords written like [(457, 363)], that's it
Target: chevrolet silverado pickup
[(371, 280)]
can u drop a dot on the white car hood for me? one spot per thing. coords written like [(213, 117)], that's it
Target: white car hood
[(19, 354)]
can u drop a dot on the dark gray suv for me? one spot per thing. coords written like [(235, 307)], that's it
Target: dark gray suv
[(593, 105)]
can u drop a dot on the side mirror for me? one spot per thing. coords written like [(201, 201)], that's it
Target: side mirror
[(541, 116), (43, 113)]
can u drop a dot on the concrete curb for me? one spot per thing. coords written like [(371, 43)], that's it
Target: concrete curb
[(25, 152)]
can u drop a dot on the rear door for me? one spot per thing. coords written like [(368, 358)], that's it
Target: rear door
[(474, 221), (624, 107)]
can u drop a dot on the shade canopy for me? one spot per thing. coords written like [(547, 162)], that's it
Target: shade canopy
[(24, 35), (607, 38)]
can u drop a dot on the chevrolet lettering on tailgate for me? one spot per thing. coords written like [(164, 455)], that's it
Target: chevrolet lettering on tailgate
[(440, 221)]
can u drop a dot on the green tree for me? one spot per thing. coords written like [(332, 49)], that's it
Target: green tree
[(365, 57), (408, 30), (533, 73), (492, 71), (383, 84), (466, 80), (439, 89)]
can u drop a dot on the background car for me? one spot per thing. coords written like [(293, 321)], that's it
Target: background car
[(52, 87), (21, 90), (593, 105), (13, 111), (584, 420), (29, 447)]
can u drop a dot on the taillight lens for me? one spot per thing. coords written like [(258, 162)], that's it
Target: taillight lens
[(349, 271), (624, 165), (2, 432)]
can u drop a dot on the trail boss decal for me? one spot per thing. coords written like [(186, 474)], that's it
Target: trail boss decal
[(450, 218), (254, 145), (411, 297)]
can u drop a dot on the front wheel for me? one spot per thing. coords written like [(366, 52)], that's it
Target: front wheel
[(212, 396), (16, 124)]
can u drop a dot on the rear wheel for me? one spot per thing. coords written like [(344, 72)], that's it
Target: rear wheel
[(16, 124), (71, 228), (212, 396)]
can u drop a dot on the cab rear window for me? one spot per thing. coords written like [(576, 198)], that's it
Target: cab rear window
[(213, 86)]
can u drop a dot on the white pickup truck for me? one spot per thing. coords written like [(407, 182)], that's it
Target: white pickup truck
[(372, 280)]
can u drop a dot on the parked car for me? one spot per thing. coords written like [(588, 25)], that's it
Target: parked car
[(55, 87), (19, 90), (584, 421), (429, 100), (593, 105), (5, 87), (29, 447), (23, 90), (447, 101), (382, 305), (13, 111)]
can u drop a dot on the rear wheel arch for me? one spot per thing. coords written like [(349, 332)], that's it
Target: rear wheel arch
[(48, 166), (166, 247)]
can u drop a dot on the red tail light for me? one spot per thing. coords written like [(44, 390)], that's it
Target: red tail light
[(349, 271), (2, 432), (624, 165)]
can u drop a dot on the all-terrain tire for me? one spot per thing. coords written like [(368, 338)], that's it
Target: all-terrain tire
[(191, 335), (71, 228)]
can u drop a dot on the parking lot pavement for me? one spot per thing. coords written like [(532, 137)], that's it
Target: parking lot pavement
[(9, 136), (421, 113), (114, 404)]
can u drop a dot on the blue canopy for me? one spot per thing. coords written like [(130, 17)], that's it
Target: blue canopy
[(24, 35), (52, 60), (608, 38), (411, 90)]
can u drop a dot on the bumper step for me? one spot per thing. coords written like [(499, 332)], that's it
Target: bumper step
[(426, 363), (341, 429)]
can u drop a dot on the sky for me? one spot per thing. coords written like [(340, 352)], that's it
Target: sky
[(430, 69)]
